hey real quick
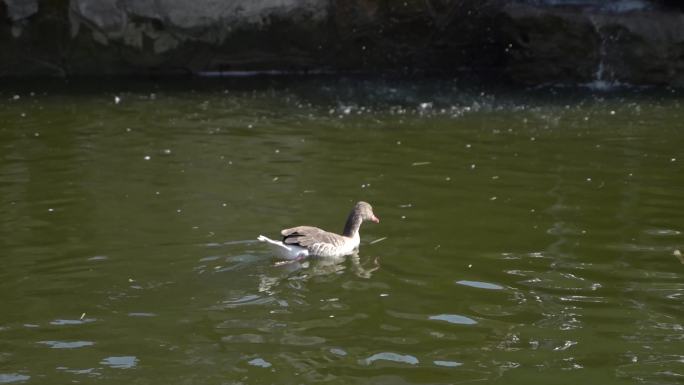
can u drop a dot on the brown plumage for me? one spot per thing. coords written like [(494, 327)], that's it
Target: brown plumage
[(307, 240), (306, 236)]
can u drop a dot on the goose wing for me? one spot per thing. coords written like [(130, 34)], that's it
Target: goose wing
[(307, 236)]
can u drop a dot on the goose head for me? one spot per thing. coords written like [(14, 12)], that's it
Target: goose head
[(365, 212)]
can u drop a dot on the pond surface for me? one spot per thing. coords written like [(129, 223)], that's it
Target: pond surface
[(529, 237)]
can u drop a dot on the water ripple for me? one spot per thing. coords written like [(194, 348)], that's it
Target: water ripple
[(120, 362), (556, 280), (480, 285), (7, 378), (260, 362), (454, 319), (389, 356), (246, 300), (248, 338), (292, 339), (61, 322), (448, 364), (662, 232), (90, 371), (67, 344)]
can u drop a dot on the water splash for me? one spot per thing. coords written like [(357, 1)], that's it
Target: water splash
[(603, 78)]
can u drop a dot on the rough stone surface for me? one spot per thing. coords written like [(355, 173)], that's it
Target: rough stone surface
[(21, 9), (523, 41), (570, 45)]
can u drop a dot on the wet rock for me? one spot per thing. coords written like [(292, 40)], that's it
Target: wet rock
[(95, 37), (523, 41), (644, 45)]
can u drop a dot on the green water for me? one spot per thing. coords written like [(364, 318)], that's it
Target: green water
[(526, 237)]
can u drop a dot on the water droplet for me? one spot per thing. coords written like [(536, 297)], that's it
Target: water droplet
[(147, 157), (426, 105)]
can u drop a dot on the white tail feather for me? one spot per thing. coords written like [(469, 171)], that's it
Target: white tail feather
[(272, 242), (282, 250)]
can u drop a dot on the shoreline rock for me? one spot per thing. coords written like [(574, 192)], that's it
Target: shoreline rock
[(571, 45), (528, 42)]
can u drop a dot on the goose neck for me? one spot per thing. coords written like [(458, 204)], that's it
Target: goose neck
[(353, 224)]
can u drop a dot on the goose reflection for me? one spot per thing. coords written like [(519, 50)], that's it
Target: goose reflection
[(302, 271)]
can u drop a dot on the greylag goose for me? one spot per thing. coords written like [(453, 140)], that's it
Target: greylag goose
[(302, 241)]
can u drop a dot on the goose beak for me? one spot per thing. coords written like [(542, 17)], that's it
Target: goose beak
[(375, 219)]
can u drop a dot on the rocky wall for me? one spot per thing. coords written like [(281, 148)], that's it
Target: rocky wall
[(524, 41)]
